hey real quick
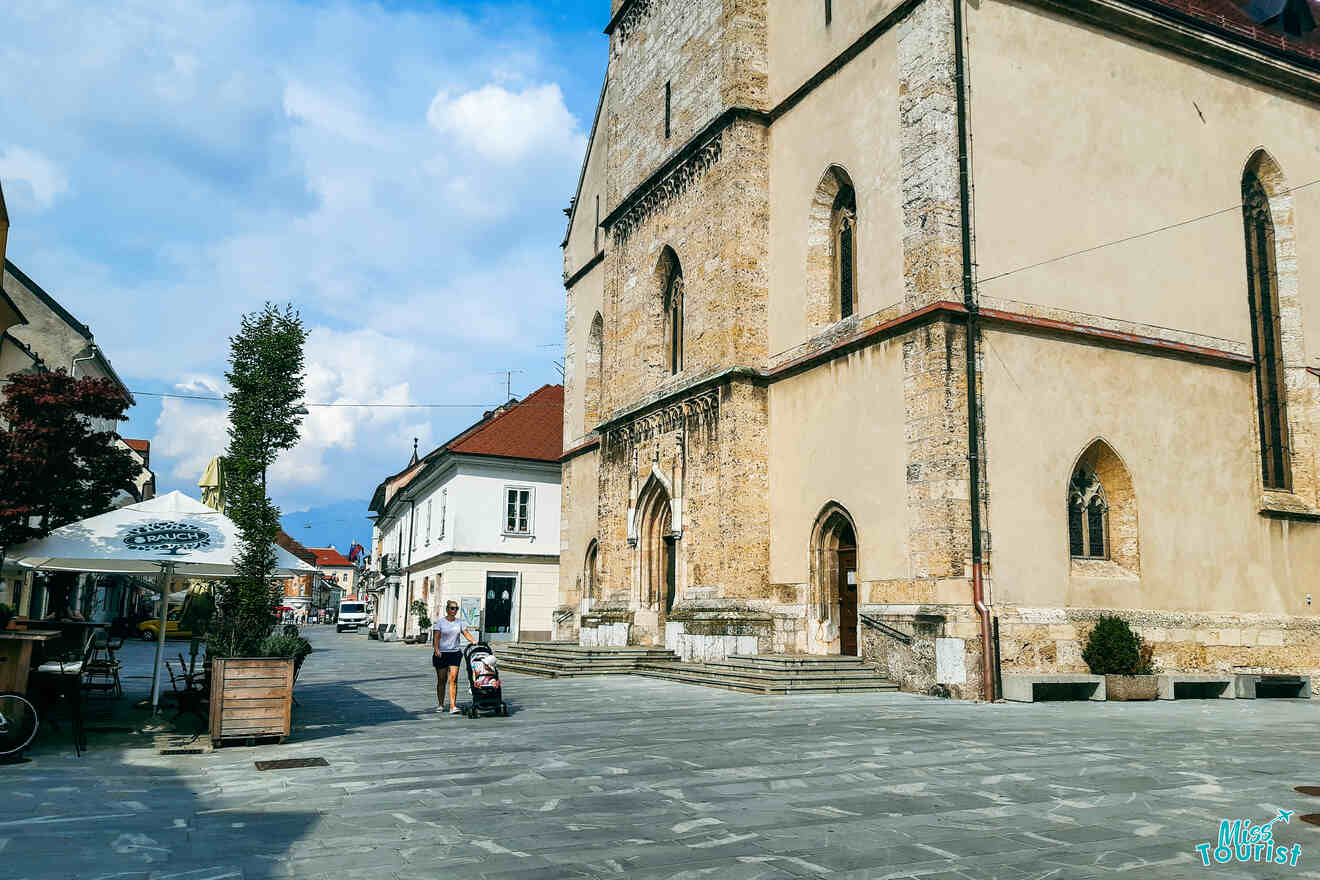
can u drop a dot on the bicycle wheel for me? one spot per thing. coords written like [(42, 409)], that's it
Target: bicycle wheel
[(18, 723)]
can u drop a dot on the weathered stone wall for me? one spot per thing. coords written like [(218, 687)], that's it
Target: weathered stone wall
[(708, 451), (1052, 639), (712, 54)]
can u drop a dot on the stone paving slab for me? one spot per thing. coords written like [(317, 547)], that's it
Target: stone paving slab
[(640, 778)]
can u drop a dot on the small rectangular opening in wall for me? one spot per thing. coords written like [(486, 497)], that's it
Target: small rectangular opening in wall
[(829, 12), (667, 95), (1049, 692)]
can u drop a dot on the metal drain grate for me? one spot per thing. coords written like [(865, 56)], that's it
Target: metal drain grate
[(292, 763), (1311, 818), (1313, 790)]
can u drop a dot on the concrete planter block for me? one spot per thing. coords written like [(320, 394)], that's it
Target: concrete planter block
[(1131, 687), (1194, 685), (1030, 687)]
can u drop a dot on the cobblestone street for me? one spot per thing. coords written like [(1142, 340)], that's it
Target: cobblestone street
[(630, 777)]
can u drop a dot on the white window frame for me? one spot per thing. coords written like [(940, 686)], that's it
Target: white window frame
[(444, 504), (530, 531), (428, 522)]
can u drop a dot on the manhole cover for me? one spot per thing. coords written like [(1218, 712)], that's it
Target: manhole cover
[(292, 763), (1311, 818), (1313, 790)]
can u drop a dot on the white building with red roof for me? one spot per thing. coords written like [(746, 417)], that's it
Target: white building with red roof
[(477, 521), (338, 572)]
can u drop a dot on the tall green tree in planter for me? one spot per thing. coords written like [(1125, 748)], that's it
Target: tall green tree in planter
[(265, 417)]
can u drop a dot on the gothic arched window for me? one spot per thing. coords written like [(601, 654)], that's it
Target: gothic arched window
[(843, 235), (1263, 297), (1088, 516), (674, 317)]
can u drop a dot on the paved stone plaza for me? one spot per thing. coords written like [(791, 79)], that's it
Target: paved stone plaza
[(630, 777)]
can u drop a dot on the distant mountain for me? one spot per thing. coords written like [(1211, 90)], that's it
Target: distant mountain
[(340, 524)]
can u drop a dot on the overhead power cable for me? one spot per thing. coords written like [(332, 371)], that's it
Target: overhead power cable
[(1133, 237)]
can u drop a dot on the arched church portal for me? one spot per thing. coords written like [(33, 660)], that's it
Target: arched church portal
[(659, 549), (834, 587)]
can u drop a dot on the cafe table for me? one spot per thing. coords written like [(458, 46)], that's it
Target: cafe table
[(16, 656)]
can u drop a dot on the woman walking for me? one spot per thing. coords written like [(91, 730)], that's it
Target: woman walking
[(445, 655)]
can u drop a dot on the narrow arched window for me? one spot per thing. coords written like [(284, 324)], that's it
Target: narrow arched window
[(1088, 516), (592, 389), (1263, 298), (591, 583), (674, 319), (843, 233)]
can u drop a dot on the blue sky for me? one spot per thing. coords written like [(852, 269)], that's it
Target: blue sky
[(395, 170)]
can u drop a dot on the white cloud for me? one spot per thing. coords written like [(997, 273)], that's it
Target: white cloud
[(224, 154), (42, 178), (509, 126)]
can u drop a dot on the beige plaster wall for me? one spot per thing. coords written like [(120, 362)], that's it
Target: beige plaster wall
[(851, 121), (837, 434), (577, 522), (800, 44), (1203, 545), (1083, 137), (583, 241), (582, 303)]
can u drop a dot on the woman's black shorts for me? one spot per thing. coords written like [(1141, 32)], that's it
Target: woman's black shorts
[(445, 659)]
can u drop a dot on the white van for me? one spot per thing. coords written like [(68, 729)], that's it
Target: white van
[(352, 614)]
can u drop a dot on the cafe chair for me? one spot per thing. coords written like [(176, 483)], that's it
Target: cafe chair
[(101, 671), (62, 676)]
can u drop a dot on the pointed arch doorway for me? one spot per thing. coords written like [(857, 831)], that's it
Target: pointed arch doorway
[(834, 587), (659, 549)]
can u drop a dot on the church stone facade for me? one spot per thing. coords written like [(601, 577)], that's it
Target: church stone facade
[(789, 219)]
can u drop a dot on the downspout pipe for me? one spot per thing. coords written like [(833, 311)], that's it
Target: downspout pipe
[(973, 329)]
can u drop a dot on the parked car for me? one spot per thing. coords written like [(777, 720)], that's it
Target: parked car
[(149, 630)]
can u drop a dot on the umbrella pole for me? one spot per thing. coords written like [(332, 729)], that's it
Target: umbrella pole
[(166, 569)]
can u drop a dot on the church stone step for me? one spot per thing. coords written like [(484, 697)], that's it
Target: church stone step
[(708, 676), (796, 662)]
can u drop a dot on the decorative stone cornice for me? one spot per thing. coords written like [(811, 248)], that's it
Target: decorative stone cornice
[(665, 190), (697, 411), (630, 15)]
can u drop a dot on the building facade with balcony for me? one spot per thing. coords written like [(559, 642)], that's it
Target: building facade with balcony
[(477, 521)]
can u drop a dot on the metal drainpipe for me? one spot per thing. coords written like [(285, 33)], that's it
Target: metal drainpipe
[(73, 365), (973, 409)]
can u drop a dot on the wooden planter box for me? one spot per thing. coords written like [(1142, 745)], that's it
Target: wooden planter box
[(250, 697), (1131, 687)]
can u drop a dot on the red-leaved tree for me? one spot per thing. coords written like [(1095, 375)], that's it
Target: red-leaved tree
[(58, 461)]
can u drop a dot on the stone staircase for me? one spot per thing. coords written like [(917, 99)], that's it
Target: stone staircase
[(568, 660), (775, 674), (753, 674)]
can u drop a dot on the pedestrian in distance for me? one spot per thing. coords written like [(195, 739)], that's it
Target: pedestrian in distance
[(446, 657)]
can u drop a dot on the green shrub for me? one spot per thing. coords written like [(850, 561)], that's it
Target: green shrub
[(280, 645), (1113, 648), (423, 618)]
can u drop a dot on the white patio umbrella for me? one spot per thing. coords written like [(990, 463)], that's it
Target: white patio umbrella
[(168, 535)]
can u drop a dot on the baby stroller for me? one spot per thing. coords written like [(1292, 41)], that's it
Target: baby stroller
[(484, 678)]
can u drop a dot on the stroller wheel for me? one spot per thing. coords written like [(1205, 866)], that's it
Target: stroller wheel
[(504, 709)]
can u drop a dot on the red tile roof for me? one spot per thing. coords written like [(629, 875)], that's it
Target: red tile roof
[(286, 541), (329, 556), (531, 429), (138, 445)]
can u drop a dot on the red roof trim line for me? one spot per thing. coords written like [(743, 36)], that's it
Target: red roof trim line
[(580, 449)]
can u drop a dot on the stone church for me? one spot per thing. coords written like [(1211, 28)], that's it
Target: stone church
[(931, 331)]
